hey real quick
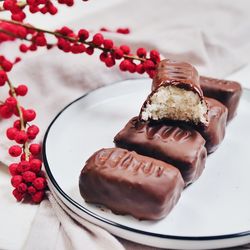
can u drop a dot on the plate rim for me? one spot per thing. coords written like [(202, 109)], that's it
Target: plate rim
[(110, 222)]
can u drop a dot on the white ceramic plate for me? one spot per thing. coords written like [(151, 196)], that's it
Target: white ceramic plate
[(213, 212)]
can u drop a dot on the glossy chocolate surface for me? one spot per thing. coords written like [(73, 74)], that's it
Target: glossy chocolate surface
[(217, 120), (181, 146), (180, 74), (129, 183), (227, 92)]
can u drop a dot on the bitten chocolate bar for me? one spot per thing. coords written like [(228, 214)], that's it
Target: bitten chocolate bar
[(227, 92), (214, 132), (180, 146), (129, 183), (176, 95)]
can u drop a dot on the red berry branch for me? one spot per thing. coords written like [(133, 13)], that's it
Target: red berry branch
[(17, 8), (81, 42), (27, 179)]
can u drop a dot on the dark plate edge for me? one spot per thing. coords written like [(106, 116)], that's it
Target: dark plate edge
[(85, 210)]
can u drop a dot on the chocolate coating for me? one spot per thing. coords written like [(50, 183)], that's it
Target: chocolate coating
[(183, 147), (227, 92), (217, 120), (129, 183), (180, 74)]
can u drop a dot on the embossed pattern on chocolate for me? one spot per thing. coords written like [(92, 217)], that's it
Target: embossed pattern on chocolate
[(225, 91), (179, 73), (129, 183), (181, 146)]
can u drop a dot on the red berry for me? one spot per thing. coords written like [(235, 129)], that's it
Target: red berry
[(23, 166), (140, 68), (29, 115), (64, 45), (155, 56), (17, 124), (22, 187), (23, 48), (19, 196), (29, 176), (83, 34), (15, 151), (103, 56), (44, 10), (132, 67), (33, 47), (33, 9), (6, 65), (21, 90), (149, 65), (108, 44), (31, 190), (109, 61), (38, 196), (52, 9), (5, 111), (118, 53), (141, 52), (104, 29), (11, 102), (90, 50), (11, 133), (40, 40), (123, 30), (39, 183), (124, 65), (65, 31), (98, 39), (16, 180), (17, 60), (35, 149), (21, 137), (32, 132), (3, 77), (8, 4), (13, 169), (35, 165), (125, 49), (20, 16), (78, 48)]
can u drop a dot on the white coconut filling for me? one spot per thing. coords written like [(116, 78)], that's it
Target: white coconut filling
[(175, 103)]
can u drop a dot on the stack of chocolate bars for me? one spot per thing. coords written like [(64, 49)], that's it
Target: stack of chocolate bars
[(163, 149)]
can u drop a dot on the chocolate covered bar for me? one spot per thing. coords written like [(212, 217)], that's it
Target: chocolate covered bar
[(129, 183), (214, 132), (176, 95), (181, 146), (227, 92)]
